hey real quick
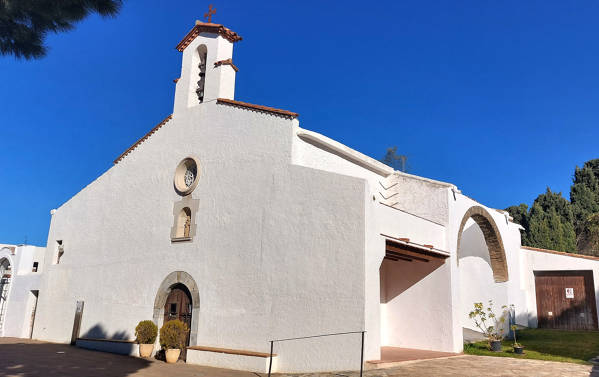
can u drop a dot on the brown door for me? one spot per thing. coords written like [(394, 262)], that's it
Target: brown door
[(566, 300), (178, 306)]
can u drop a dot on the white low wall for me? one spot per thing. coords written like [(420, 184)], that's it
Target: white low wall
[(112, 346), (231, 361)]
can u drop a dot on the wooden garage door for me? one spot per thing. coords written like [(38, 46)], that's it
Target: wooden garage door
[(566, 300)]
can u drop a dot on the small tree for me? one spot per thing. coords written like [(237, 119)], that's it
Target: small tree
[(394, 160), (146, 332), (488, 323), (514, 328), (173, 334)]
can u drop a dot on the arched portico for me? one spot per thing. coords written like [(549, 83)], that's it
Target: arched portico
[(492, 238), (173, 280)]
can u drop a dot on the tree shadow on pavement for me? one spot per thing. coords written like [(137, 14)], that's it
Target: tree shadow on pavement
[(32, 358)]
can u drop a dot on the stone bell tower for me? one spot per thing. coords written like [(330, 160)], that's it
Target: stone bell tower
[(207, 69)]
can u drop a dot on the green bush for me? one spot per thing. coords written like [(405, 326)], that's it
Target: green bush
[(146, 332), (173, 334)]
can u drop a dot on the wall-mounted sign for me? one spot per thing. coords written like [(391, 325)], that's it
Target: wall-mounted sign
[(569, 292)]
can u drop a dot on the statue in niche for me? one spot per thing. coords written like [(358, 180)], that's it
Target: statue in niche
[(187, 226)]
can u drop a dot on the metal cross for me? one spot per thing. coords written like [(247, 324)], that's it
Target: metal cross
[(208, 15)]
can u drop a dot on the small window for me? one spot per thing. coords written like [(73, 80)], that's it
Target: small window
[(173, 310), (34, 269), (59, 250)]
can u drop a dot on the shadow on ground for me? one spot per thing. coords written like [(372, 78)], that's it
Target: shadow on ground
[(30, 359)]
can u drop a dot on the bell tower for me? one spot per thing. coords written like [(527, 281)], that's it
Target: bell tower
[(207, 69)]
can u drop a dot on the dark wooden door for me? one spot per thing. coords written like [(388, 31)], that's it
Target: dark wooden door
[(566, 300), (178, 306)]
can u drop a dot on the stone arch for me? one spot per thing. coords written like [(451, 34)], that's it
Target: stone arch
[(492, 238), (173, 279), (5, 266)]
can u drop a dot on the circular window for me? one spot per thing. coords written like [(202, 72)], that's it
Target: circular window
[(186, 176)]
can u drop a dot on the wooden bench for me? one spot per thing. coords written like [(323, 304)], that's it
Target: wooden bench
[(230, 358), (230, 351)]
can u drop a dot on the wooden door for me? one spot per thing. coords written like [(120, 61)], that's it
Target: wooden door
[(566, 300), (178, 306)]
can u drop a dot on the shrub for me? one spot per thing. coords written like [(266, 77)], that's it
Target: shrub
[(173, 334), (481, 315), (146, 332)]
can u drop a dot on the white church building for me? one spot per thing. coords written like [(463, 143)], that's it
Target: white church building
[(235, 219)]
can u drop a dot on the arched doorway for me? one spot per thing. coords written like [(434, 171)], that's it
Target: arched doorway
[(178, 297), (179, 306)]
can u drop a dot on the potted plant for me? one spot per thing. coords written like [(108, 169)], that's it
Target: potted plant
[(145, 336), (172, 339), (494, 331), (518, 348)]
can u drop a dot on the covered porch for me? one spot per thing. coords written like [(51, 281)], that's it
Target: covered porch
[(415, 302)]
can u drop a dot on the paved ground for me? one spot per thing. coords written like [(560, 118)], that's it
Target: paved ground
[(476, 366), (25, 358)]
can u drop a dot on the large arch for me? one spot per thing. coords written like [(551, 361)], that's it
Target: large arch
[(492, 238), (173, 279)]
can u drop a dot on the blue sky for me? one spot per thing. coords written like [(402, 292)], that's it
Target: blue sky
[(499, 98)]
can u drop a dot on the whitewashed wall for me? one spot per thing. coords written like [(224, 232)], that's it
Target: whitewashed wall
[(279, 249), (20, 300), (476, 275)]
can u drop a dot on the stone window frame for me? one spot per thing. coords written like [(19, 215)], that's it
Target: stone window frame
[(193, 205), (179, 179)]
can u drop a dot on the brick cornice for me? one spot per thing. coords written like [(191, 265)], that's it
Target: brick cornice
[(573, 255), (201, 27), (265, 109), (146, 136)]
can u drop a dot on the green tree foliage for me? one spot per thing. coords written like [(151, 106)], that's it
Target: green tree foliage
[(587, 240), (584, 196), (394, 160), (549, 224), (24, 24), (520, 215)]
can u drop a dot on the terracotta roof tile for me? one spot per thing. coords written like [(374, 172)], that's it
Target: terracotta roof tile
[(560, 253), (265, 109), (201, 27), (131, 148), (226, 62)]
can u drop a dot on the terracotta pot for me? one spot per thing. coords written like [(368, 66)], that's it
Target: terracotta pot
[(172, 355), (145, 350), (496, 345)]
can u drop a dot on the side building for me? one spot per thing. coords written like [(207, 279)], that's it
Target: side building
[(20, 274)]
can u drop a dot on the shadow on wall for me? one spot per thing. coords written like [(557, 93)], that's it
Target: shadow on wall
[(473, 243), (398, 276), (98, 332), (34, 359), (119, 342)]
